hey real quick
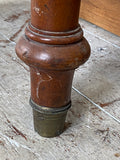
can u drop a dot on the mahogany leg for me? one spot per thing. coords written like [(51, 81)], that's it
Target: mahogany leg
[(53, 47)]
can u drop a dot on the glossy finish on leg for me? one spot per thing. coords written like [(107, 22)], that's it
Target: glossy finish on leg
[(53, 46)]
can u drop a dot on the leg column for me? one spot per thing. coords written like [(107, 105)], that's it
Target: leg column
[(53, 47)]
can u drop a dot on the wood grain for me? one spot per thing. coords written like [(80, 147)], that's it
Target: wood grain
[(105, 14)]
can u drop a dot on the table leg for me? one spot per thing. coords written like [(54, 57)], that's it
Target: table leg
[(53, 46)]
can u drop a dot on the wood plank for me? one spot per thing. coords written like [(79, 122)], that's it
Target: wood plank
[(105, 14)]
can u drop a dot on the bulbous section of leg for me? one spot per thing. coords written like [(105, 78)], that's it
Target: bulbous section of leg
[(53, 57)]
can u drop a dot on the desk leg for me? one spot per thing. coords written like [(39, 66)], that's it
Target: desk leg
[(53, 46)]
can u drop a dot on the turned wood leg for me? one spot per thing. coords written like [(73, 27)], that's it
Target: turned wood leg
[(53, 47)]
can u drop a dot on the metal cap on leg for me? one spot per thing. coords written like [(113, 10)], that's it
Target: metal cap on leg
[(49, 122)]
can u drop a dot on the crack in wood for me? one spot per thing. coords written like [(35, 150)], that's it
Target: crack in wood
[(109, 103), (11, 39), (13, 17), (21, 28), (15, 130)]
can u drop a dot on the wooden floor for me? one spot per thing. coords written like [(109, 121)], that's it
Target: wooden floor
[(90, 134)]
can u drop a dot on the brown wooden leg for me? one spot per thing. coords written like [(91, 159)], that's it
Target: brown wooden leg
[(53, 46)]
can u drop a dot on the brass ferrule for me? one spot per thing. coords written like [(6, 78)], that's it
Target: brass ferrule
[(49, 122)]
